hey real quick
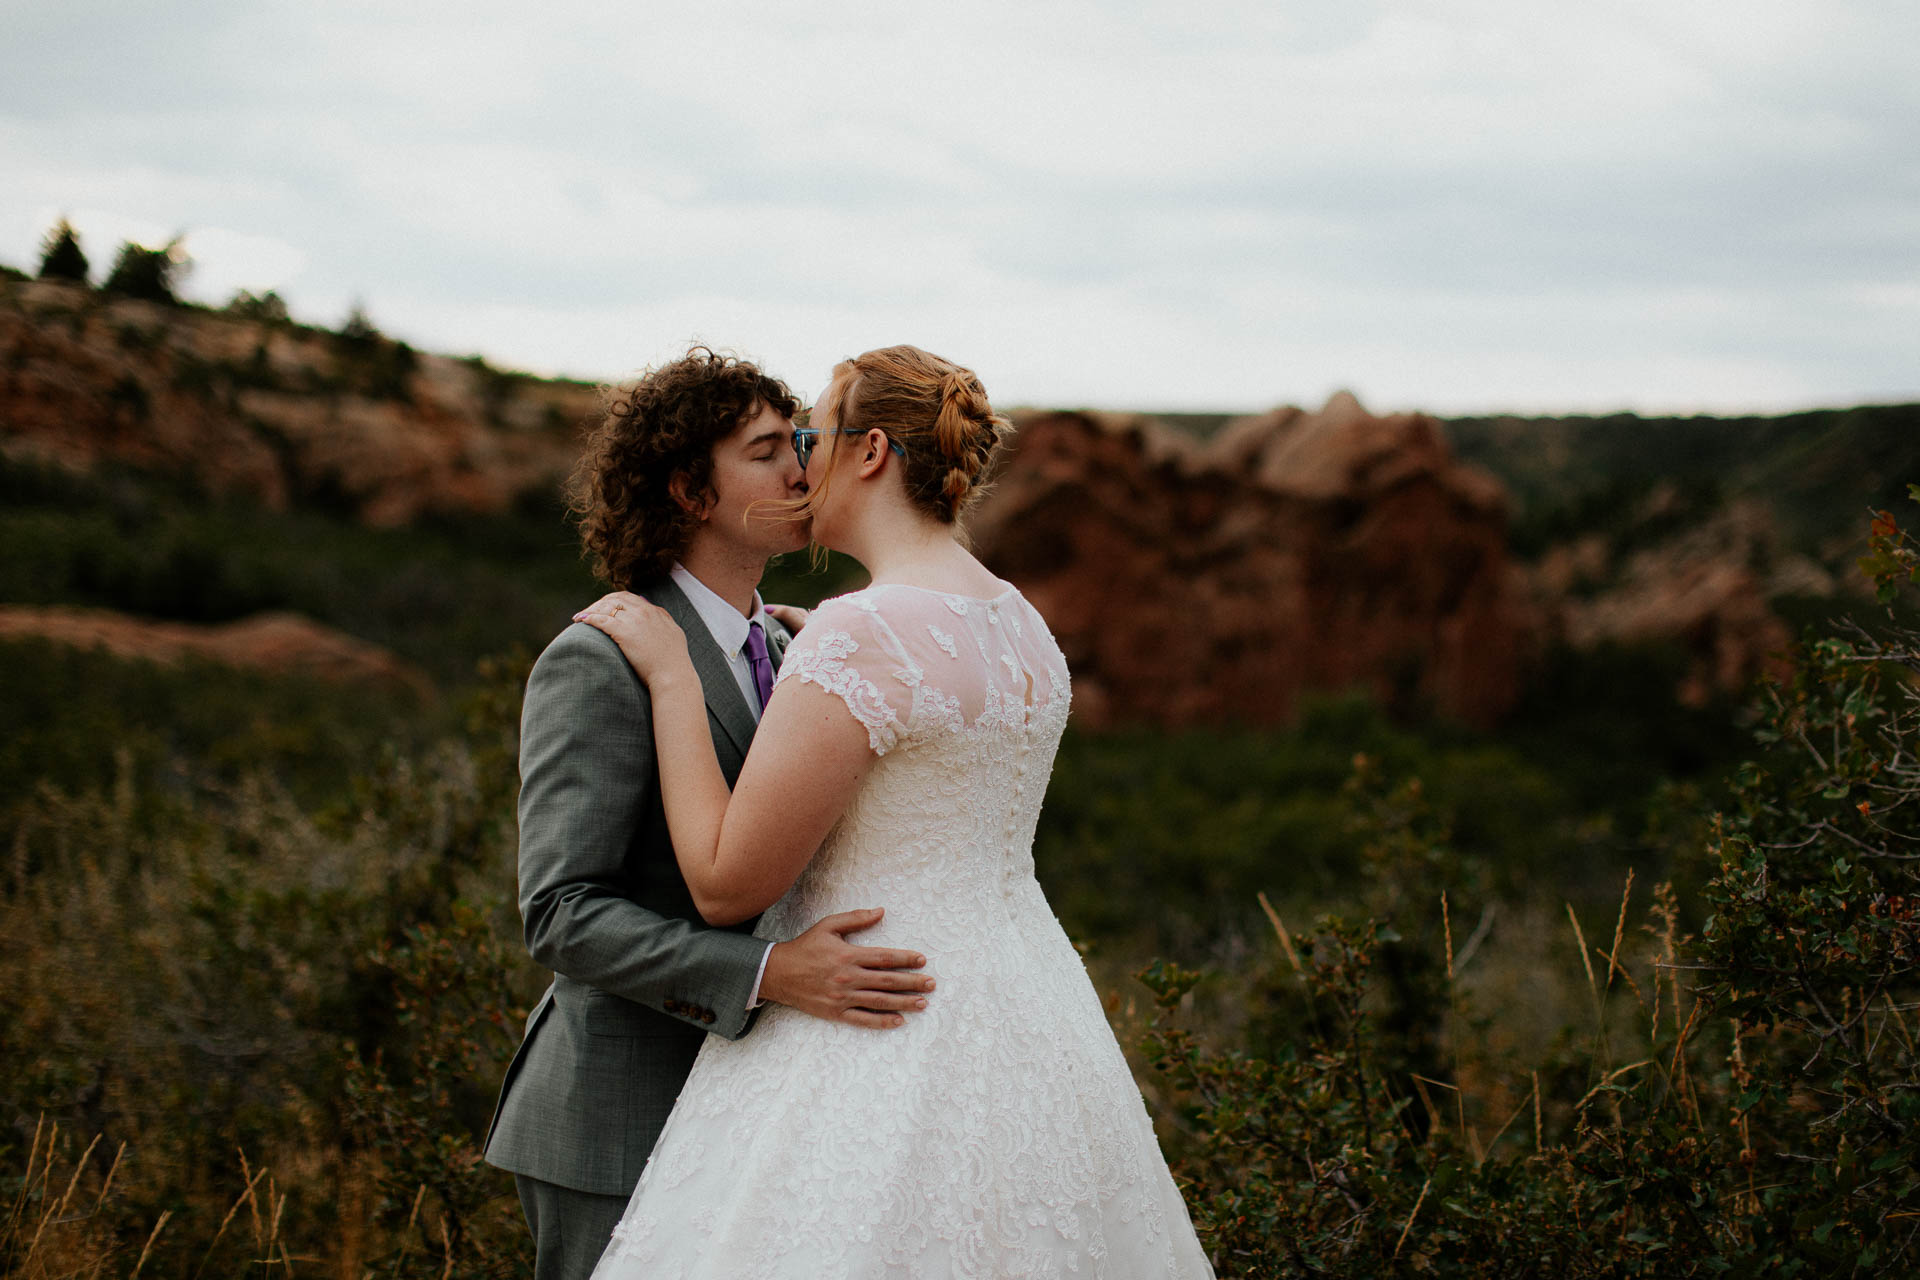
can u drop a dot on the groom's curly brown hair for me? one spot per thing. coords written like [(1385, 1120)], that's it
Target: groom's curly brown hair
[(664, 425)]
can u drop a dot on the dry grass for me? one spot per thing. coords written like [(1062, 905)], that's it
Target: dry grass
[(64, 1222), (51, 1228), (190, 980), (1524, 996)]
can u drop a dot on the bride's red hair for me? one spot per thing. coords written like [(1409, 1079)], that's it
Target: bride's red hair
[(935, 410)]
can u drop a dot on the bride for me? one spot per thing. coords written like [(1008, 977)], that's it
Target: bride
[(901, 758)]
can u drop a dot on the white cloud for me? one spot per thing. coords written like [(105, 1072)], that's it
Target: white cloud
[(225, 261), (1445, 202)]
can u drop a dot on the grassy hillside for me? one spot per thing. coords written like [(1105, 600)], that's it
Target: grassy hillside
[(1819, 470), (442, 592)]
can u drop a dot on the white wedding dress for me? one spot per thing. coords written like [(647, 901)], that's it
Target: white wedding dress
[(996, 1134)]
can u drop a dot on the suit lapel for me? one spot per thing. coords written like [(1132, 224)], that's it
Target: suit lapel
[(725, 706)]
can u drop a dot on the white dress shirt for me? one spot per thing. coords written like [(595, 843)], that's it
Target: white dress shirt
[(729, 631)]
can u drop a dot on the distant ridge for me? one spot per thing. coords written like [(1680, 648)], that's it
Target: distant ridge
[(286, 413), (1198, 568)]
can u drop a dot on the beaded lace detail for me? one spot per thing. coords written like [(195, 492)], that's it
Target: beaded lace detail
[(998, 1133)]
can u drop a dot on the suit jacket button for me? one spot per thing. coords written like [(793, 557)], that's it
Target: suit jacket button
[(706, 1015)]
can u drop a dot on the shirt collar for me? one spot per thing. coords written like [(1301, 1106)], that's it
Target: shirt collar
[(725, 622)]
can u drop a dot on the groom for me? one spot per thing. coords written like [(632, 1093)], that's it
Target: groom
[(674, 496)]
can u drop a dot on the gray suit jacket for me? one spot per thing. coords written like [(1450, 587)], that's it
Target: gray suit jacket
[(639, 981)]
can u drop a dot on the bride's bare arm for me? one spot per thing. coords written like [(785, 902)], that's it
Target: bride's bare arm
[(739, 850)]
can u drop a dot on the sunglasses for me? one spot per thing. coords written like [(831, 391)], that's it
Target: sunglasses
[(805, 437)]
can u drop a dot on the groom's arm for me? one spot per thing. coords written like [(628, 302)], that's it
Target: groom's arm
[(587, 769)]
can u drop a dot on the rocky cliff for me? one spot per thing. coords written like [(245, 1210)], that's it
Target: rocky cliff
[(274, 410), (1213, 582), (1705, 588)]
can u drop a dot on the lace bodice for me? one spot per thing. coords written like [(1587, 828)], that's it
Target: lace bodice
[(965, 700), (998, 1133)]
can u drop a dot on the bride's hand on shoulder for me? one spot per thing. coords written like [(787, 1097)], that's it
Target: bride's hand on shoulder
[(654, 645)]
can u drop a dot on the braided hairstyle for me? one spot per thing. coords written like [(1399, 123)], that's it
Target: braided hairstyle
[(933, 409)]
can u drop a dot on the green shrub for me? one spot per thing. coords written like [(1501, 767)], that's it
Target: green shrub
[(1164, 839), (443, 593), (1754, 1111), (372, 364), (210, 968), (267, 308), (418, 1110)]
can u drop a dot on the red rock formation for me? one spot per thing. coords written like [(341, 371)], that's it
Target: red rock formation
[(274, 411), (1699, 589), (279, 643), (1297, 551)]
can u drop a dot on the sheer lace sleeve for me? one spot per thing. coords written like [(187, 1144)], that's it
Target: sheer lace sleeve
[(852, 652), (914, 665)]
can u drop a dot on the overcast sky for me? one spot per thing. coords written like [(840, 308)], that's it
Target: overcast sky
[(1457, 205)]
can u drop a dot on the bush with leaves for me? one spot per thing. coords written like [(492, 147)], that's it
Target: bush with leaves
[(1370, 1125), (417, 1109), (1766, 1122), (1814, 945)]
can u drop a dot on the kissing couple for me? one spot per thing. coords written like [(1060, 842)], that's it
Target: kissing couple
[(717, 797)]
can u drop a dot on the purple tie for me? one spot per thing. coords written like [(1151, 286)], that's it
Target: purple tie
[(762, 664)]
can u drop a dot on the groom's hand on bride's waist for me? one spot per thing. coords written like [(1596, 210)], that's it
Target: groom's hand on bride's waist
[(823, 974)]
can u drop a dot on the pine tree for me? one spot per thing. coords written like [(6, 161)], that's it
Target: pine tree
[(359, 329), (61, 257), (140, 272)]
